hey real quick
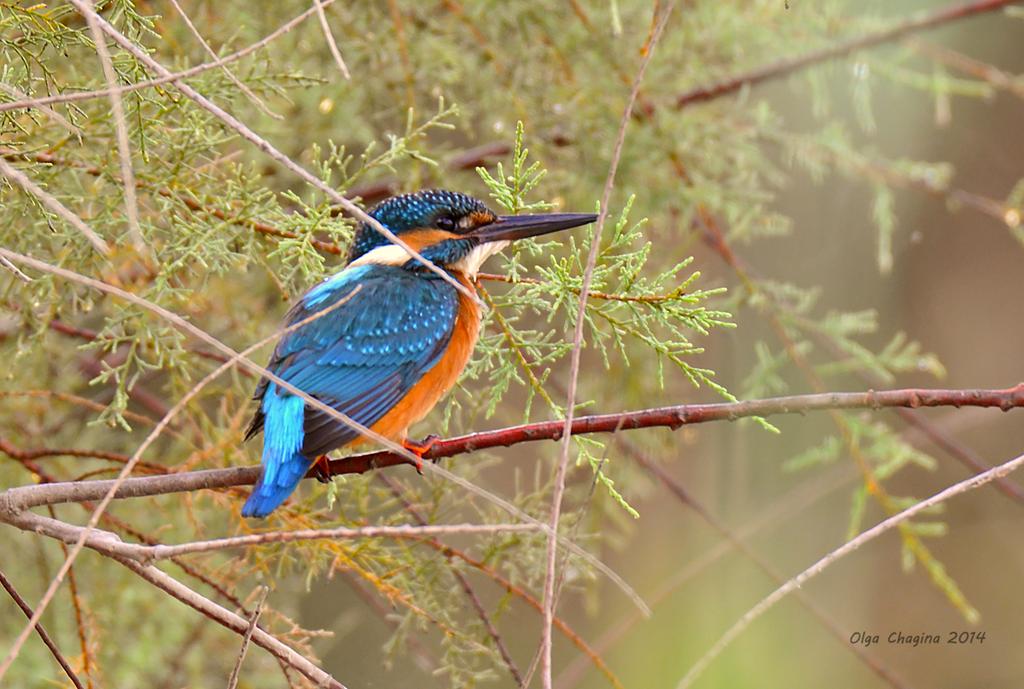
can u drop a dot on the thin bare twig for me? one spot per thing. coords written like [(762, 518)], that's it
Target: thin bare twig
[(188, 569), (716, 240), (818, 567), (256, 100), (233, 356), (131, 203), (109, 544), (15, 270), (270, 150), (144, 538), (731, 537), (284, 654), (76, 400), (329, 37), (467, 587), (934, 433), (589, 654), (126, 470), (234, 622), (50, 112), (775, 70), (792, 503), (40, 452), (54, 205), (911, 540), (874, 170), (253, 619), (577, 347), (57, 655), (76, 604), (166, 78), (969, 65)]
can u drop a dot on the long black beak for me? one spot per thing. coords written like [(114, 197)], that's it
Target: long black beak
[(512, 227)]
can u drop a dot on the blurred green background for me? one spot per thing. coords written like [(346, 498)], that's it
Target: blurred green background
[(916, 143)]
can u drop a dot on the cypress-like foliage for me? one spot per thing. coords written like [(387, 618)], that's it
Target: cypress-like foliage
[(517, 103)]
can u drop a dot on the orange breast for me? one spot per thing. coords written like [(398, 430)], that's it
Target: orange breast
[(426, 393)]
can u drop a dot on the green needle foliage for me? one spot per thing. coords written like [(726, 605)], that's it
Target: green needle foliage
[(231, 239)]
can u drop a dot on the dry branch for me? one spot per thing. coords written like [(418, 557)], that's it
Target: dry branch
[(912, 541), (83, 535), (165, 78), (266, 147), (464, 583), (25, 608), (21, 498), (329, 37), (124, 151), (776, 70), (959, 451), (22, 180), (234, 622), (660, 19), (791, 504), (818, 567), (236, 357), (109, 543), (732, 538), (247, 638), (256, 100)]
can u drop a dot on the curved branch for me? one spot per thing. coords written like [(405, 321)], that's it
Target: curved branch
[(108, 543), (234, 622), (874, 532), (775, 70), (591, 294), (164, 78), (57, 655), (15, 500), (551, 590)]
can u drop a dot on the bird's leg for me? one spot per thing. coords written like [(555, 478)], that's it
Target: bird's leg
[(420, 448), (321, 469)]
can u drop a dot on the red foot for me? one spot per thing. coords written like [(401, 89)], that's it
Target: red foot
[(322, 469), (420, 448)]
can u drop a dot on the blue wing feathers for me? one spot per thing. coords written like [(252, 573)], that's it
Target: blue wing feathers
[(361, 359)]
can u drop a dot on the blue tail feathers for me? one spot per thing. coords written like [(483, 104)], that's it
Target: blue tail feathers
[(283, 463)]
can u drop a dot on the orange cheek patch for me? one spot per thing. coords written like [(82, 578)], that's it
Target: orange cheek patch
[(421, 239)]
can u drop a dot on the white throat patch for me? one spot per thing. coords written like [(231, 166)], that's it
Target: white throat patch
[(387, 255), (471, 262)]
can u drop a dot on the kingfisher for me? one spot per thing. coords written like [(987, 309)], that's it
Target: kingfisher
[(388, 354)]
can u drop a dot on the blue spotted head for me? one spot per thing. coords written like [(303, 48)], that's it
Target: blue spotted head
[(452, 230)]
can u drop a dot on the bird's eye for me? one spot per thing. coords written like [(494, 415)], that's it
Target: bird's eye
[(446, 223)]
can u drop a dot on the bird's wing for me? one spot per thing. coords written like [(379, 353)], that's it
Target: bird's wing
[(365, 355)]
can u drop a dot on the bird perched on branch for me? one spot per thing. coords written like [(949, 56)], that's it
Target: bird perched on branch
[(384, 357)]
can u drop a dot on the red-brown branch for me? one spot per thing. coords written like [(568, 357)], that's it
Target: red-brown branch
[(781, 68), (591, 294), (43, 452), (959, 451), (15, 500)]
